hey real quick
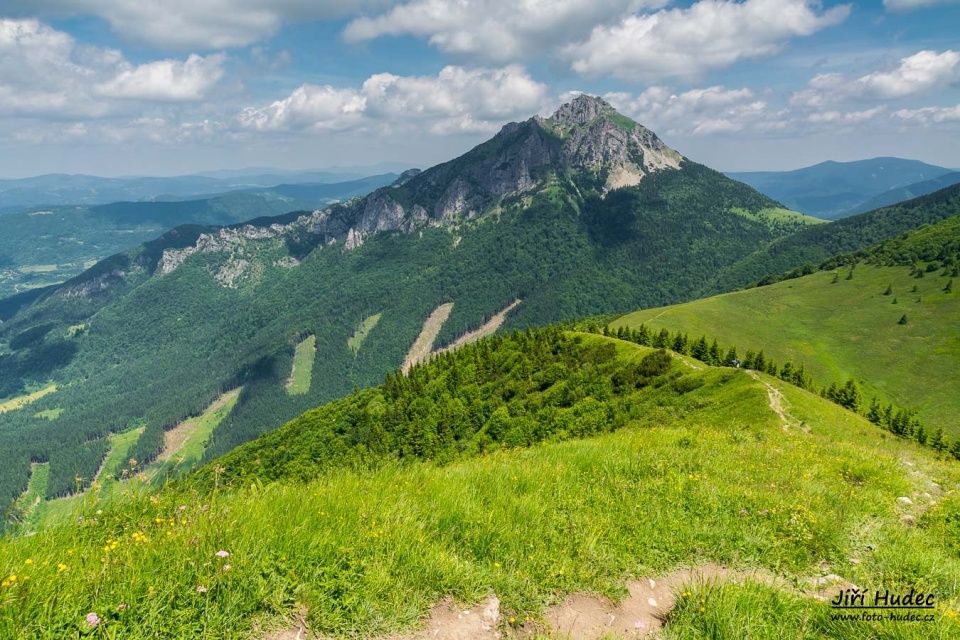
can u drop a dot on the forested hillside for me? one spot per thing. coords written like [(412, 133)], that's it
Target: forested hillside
[(815, 244), (153, 335)]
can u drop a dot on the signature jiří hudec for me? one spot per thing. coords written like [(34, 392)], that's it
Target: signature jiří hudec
[(855, 598)]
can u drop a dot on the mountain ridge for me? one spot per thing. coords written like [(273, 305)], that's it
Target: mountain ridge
[(154, 334)]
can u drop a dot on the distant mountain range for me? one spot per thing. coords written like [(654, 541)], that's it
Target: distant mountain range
[(833, 190), (55, 189)]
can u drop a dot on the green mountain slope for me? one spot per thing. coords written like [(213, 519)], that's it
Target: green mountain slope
[(815, 244), (48, 245), (832, 190), (908, 192), (354, 542), (842, 322), (155, 334)]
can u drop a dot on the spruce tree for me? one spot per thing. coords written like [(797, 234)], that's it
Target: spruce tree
[(937, 442), (955, 449), (949, 287), (760, 361), (903, 319), (700, 350), (836, 277), (643, 336), (874, 413), (662, 339), (731, 358), (889, 290), (919, 434), (715, 355)]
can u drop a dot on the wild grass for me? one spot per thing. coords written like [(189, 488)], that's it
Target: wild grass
[(842, 329), (302, 373), (714, 478)]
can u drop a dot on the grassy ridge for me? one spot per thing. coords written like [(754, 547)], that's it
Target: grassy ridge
[(843, 329), (710, 476)]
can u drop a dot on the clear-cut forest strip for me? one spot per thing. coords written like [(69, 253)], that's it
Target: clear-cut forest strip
[(423, 345), (21, 401), (487, 329)]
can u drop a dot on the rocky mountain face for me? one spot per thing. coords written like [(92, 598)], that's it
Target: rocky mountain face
[(586, 141)]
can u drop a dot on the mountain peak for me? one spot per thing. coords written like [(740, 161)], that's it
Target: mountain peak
[(581, 110)]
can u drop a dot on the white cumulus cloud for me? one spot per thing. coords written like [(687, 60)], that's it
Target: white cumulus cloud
[(493, 29), (455, 100), (45, 73), (915, 74), (166, 80), (929, 115), (710, 34), (701, 111), (196, 24)]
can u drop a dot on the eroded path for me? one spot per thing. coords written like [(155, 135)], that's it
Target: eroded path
[(777, 402)]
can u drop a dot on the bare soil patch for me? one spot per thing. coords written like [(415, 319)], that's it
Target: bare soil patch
[(642, 613), (487, 329), (423, 345)]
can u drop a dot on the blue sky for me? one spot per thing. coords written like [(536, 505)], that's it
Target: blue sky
[(113, 87)]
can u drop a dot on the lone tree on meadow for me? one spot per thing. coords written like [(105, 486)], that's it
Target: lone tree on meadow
[(889, 290), (903, 319)]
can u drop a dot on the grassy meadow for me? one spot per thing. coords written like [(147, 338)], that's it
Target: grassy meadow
[(302, 372), (368, 324), (18, 402), (843, 328), (713, 476)]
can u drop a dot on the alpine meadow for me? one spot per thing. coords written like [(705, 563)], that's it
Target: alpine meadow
[(569, 384)]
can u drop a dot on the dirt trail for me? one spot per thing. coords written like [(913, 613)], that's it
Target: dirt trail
[(487, 329), (587, 617), (777, 402), (423, 345), (641, 614)]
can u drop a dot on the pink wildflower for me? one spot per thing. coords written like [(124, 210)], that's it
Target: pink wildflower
[(122, 607), (222, 554), (93, 619), (226, 567), (201, 589)]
